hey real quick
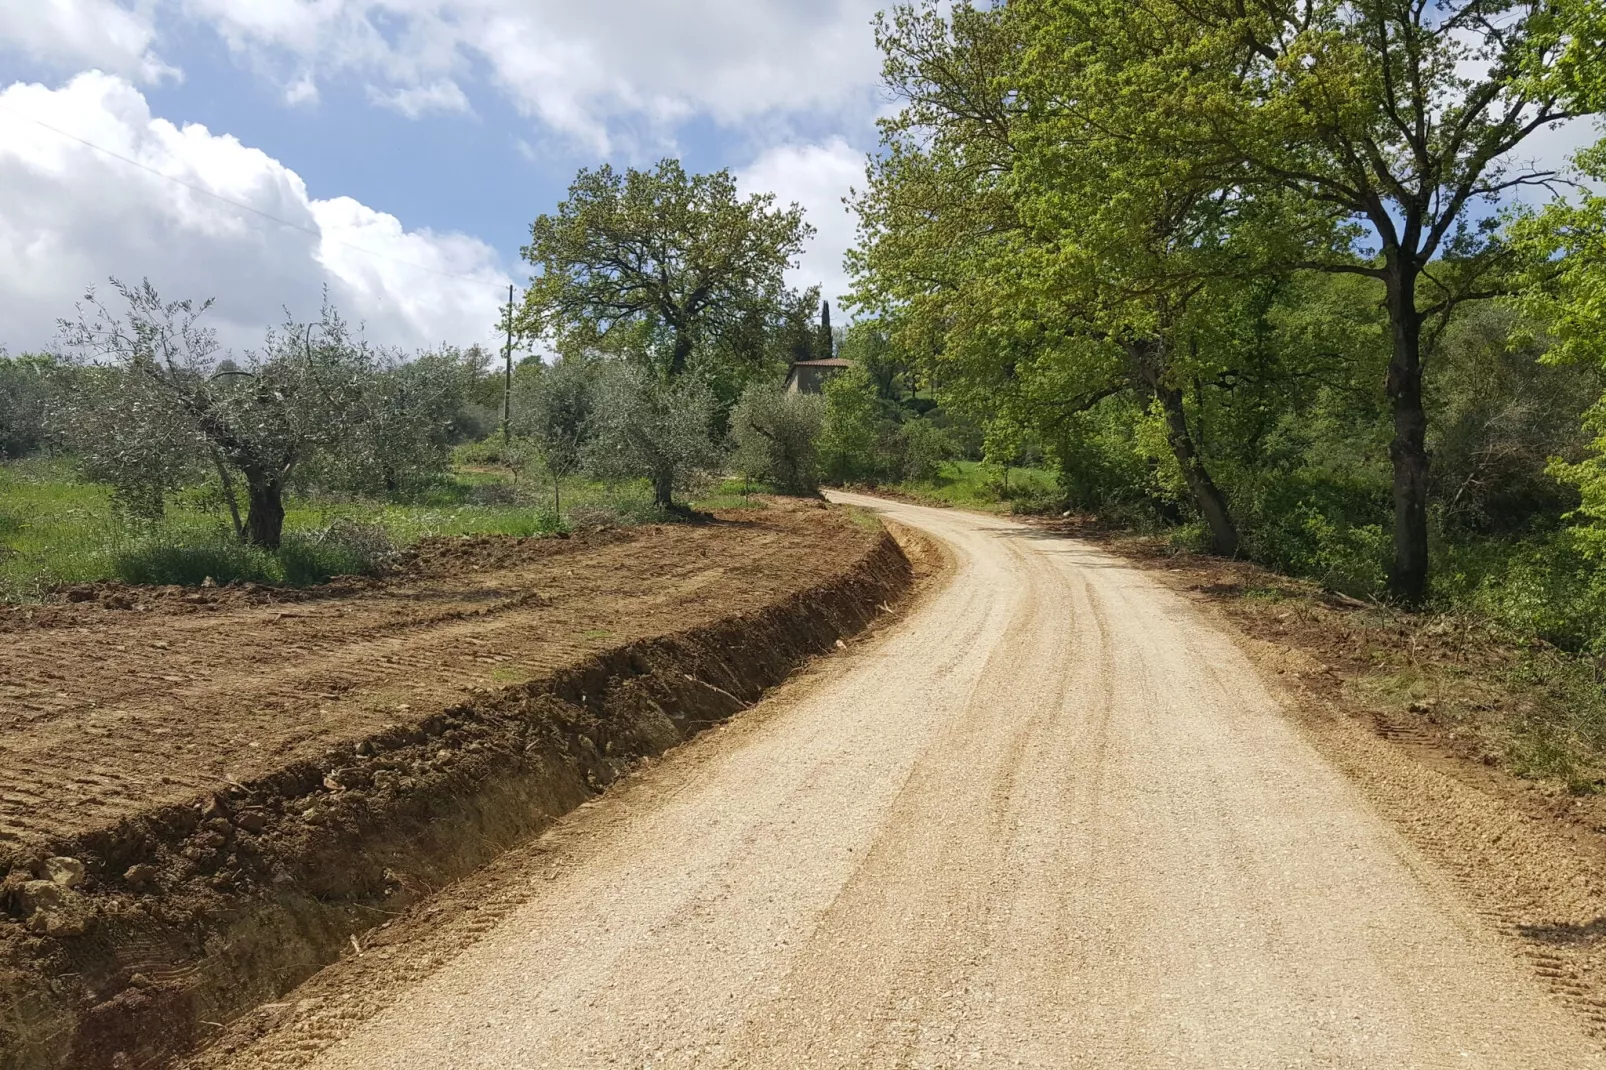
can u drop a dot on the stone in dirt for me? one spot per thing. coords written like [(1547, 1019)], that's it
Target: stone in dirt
[(67, 872), (54, 909), (252, 820)]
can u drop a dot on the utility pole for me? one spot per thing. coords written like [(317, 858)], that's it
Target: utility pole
[(507, 378)]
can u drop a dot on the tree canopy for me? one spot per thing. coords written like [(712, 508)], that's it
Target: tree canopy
[(1081, 199), (658, 261)]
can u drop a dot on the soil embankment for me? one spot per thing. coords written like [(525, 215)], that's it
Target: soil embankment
[(205, 794)]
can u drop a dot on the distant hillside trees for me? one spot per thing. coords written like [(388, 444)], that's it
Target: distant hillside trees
[(30, 387)]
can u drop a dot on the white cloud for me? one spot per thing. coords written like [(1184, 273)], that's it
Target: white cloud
[(304, 90), (79, 33), (816, 177), (610, 73), (444, 95), (73, 216)]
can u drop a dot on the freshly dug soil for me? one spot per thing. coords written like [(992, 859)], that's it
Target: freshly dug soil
[(205, 794)]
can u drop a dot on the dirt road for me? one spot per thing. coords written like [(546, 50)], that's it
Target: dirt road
[(1050, 820)]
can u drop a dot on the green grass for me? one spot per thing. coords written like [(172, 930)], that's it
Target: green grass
[(57, 530), (731, 494), (974, 485)]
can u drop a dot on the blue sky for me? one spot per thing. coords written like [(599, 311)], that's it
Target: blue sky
[(410, 141)]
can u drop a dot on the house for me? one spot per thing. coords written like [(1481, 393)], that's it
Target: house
[(810, 376)]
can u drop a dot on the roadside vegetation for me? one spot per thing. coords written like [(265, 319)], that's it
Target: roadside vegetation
[(143, 452), (1272, 283)]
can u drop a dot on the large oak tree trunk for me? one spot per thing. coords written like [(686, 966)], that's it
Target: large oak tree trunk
[(264, 523), (1408, 579), (681, 355), (1212, 504), (1207, 497)]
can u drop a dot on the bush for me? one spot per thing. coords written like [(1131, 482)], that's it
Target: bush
[(344, 548), (160, 559), (775, 434), (29, 390), (922, 447), (651, 428), (1549, 588)]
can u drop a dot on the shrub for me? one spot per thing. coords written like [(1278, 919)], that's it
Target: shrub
[(653, 428), (776, 436), (162, 559), (344, 548), (922, 447)]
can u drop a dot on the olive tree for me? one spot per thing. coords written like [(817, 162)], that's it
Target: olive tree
[(400, 431), (170, 400), (776, 435), (556, 411), (651, 427)]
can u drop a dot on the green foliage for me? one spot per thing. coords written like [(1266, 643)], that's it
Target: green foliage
[(1081, 200), (1548, 588), (1566, 246), (658, 262), (400, 424), (555, 411), (922, 446), (975, 485), (775, 435), (653, 428), (31, 388), (858, 440)]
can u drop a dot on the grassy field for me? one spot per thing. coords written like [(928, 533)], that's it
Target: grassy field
[(55, 529), (974, 485)]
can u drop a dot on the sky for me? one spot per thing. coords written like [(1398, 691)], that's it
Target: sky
[(391, 153)]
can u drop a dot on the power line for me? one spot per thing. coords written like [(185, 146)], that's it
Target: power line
[(230, 201)]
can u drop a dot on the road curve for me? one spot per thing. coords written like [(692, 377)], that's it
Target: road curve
[(1050, 820)]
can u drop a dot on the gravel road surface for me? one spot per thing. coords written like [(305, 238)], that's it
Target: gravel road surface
[(1051, 819)]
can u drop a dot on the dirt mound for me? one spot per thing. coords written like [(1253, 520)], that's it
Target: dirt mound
[(206, 885)]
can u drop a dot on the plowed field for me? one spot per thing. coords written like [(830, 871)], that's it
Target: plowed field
[(131, 698)]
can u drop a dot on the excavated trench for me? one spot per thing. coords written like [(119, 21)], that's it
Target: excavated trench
[(129, 945)]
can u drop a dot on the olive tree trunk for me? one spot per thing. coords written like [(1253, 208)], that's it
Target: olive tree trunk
[(264, 521), (663, 490)]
